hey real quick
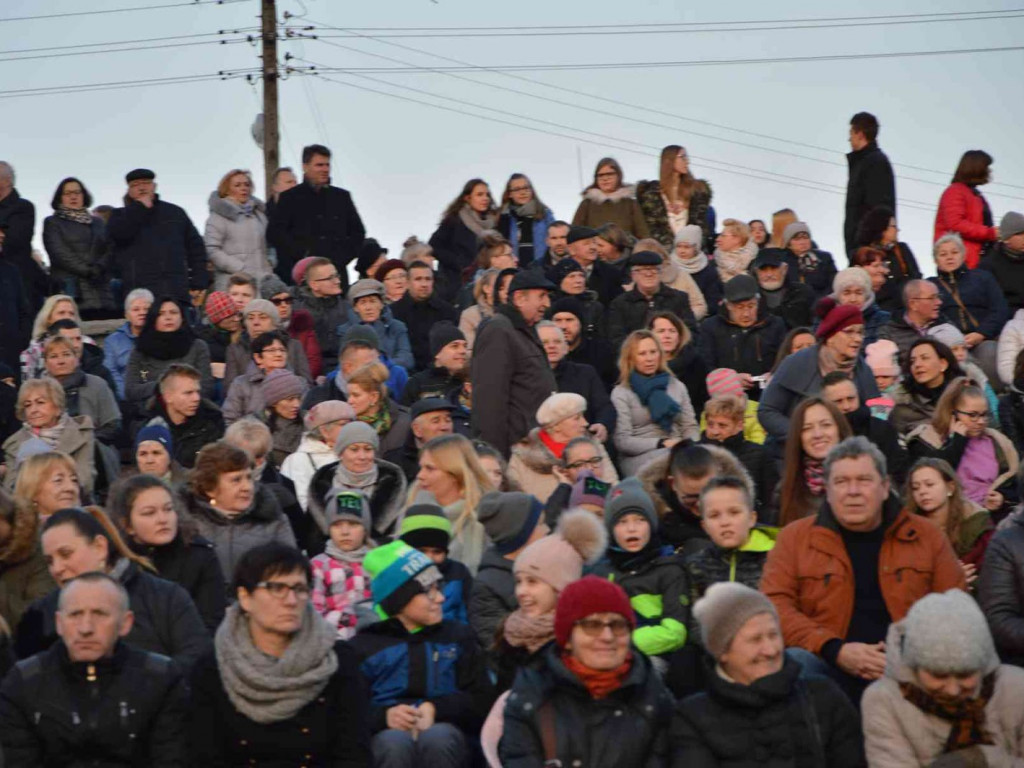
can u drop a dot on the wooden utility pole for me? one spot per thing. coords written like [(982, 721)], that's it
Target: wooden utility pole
[(271, 156)]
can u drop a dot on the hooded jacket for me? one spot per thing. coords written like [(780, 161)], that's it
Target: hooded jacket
[(235, 239), (724, 344), (619, 207), (24, 576), (743, 565), (386, 502)]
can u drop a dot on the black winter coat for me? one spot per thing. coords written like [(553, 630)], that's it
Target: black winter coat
[(18, 221), (1008, 270), (819, 277), (598, 353), (1011, 416), (723, 344), (882, 434), (493, 596), (870, 184), (583, 380), (690, 368), (432, 382), (511, 378), (1001, 590), (605, 281), (386, 496), (195, 567), (328, 313), (329, 732), (80, 261), (16, 315), (207, 426), (126, 710), (158, 248), (455, 247), (419, 317), (758, 461), (744, 565), (710, 284), (902, 268), (796, 307), (315, 222), (629, 312), (627, 729), (779, 721)]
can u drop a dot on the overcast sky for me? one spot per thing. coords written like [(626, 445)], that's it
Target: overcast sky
[(404, 161)]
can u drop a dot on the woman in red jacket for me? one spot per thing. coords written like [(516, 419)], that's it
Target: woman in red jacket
[(964, 210)]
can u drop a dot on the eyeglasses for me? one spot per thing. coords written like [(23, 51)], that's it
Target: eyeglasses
[(975, 416), (607, 174), (282, 302), (646, 271), (279, 589), (596, 627), (522, 189), (593, 463), (925, 298), (278, 350), (335, 276)]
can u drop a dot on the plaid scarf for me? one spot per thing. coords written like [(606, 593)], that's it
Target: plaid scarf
[(967, 717)]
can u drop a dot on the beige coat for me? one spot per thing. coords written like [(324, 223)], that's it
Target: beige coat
[(678, 278), (77, 441), (470, 320), (532, 467)]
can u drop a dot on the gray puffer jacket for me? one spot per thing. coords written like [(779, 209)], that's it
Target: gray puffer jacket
[(235, 239), (636, 434)]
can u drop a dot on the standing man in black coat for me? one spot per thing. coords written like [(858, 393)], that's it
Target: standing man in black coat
[(315, 219), (156, 245), (871, 181), (420, 309), (17, 222)]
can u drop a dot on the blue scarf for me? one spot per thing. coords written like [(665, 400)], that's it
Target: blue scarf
[(653, 393)]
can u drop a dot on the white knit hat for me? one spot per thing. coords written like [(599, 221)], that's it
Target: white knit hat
[(559, 408), (946, 633)]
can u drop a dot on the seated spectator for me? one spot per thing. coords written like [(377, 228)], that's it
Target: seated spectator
[(1011, 407), (784, 296), (341, 586), (1009, 347), (583, 457), (653, 408), (394, 274), (984, 458), (450, 355), (673, 276), (359, 348), (922, 310), (429, 418), (840, 340), (278, 686), (84, 394), (796, 340), (318, 292), (578, 379), (282, 393), (192, 420), (425, 528), (298, 323), (839, 631), (928, 369), (614, 244), (590, 673), (742, 336), (322, 422), (367, 300), (1000, 590), (810, 266), (225, 329), (724, 420), (944, 698), (882, 358), (42, 407), (241, 288), (878, 235), (245, 393), (725, 382), (23, 573), (260, 317), (483, 295), (759, 706), (140, 720), (630, 311), (77, 541), (734, 250), (420, 309), (425, 713), (853, 286), (230, 508), (494, 465), (57, 307), (48, 482), (358, 469), (368, 396), (118, 346), (684, 359), (586, 347), (603, 279), (952, 337), (1005, 259), (145, 511)]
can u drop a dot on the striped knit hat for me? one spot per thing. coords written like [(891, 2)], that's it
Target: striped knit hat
[(398, 574), (425, 525)]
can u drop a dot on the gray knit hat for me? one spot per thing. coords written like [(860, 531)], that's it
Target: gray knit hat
[(344, 504), (629, 497), (946, 633), (356, 432), (724, 609), (948, 334), (509, 518), (271, 285), (691, 234), (280, 384), (792, 230), (264, 306), (1012, 224)]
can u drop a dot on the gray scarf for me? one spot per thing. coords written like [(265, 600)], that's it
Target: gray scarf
[(359, 481), (52, 435), (355, 556), (475, 223), (528, 210), (267, 689), (694, 265)]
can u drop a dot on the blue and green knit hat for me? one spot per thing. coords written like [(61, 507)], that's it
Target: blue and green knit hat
[(426, 525), (398, 574)]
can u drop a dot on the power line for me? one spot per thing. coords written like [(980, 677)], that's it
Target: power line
[(121, 10), (123, 50), (111, 43), (117, 84)]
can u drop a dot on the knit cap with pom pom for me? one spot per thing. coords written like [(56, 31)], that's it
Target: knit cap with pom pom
[(558, 559)]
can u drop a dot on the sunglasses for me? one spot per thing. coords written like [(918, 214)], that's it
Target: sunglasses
[(282, 302)]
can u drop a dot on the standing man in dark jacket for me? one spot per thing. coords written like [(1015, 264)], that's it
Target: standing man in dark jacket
[(871, 181), (510, 372), (17, 222), (92, 698), (315, 219), (420, 309), (629, 312), (156, 245)]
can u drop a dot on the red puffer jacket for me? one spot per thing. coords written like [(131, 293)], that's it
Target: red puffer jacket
[(961, 210), (303, 330)]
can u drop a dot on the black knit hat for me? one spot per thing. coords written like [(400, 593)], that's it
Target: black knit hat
[(441, 335), (425, 525), (563, 269), (568, 304)]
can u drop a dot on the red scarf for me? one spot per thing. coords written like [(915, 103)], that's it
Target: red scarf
[(599, 683), (556, 448)]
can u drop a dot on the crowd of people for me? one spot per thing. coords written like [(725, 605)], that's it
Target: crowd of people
[(644, 486)]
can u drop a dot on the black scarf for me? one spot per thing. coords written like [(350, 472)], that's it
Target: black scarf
[(164, 345), (631, 561)]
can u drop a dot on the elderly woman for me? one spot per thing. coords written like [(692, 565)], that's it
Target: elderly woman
[(675, 199), (369, 309), (368, 396), (688, 255), (277, 687), (928, 368), (77, 541), (235, 233), (42, 409), (524, 219), (945, 700), (964, 210), (610, 200), (230, 509), (23, 573), (118, 346), (758, 708), (879, 232), (483, 295), (76, 244), (534, 459), (84, 394), (48, 482), (593, 700), (393, 274), (854, 287), (653, 408), (840, 339), (735, 249), (358, 468), (807, 264), (323, 422), (261, 316)]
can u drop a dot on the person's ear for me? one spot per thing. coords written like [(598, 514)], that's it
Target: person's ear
[(244, 599), (944, 364), (126, 624)]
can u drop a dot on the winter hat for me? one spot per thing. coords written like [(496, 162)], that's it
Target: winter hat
[(328, 412), (559, 407), (568, 304), (271, 285), (360, 334), (426, 525), (365, 287), (528, 280), (585, 597), (692, 234), (31, 447), (946, 633), (724, 381), (347, 505), (852, 276), (741, 288), (558, 559), (156, 432), (724, 609), (882, 358), (836, 317), (562, 270), (509, 519), (262, 305), (577, 233), (589, 490), (398, 573), (139, 174), (299, 270), (645, 259), (388, 267), (356, 432), (369, 252), (792, 230), (1011, 224), (219, 307), (629, 497), (948, 334), (441, 335), (280, 384)]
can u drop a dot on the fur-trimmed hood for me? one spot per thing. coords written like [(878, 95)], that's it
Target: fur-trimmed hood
[(534, 454), (595, 195), (229, 209), (24, 540), (652, 475)]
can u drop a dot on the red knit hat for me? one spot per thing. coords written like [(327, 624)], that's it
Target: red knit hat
[(589, 595), (299, 270), (219, 307), (389, 266), (836, 318)]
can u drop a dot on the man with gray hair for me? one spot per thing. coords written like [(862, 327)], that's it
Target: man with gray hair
[(580, 379), (922, 306), (17, 222), (91, 695), (839, 578), (118, 346)]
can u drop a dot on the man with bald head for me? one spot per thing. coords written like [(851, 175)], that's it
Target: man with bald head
[(92, 695), (922, 308)]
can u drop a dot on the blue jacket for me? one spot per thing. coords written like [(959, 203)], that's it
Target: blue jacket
[(508, 227), (117, 348), (393, 335), (441, 664), (984, 309), (458, 582)]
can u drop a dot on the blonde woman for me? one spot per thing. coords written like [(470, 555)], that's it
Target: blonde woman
[(734, 249), (369, 398), (451, 472), (483, 294), (235, 234), (48, 482), (60, 306)]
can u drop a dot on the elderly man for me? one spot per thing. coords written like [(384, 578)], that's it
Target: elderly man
[(17, 222), (430, 417), (580, 379), (118, 346), (922, 302), (92, 698), (568, 313), (510, 373), (841, 577), (602, 278), (783, 297), (629, 312), (1005, 260)]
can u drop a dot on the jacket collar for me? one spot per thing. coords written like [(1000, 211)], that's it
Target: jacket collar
[(894, 518), (93, 671)]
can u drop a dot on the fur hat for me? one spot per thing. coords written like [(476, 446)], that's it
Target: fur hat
[(589, 595), (946, 633), (558, 559), (724, 609), (559, 407)]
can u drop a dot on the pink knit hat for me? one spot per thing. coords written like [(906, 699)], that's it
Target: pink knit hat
[(882, 356), (558, 559), (299, 270), (724, 381)]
